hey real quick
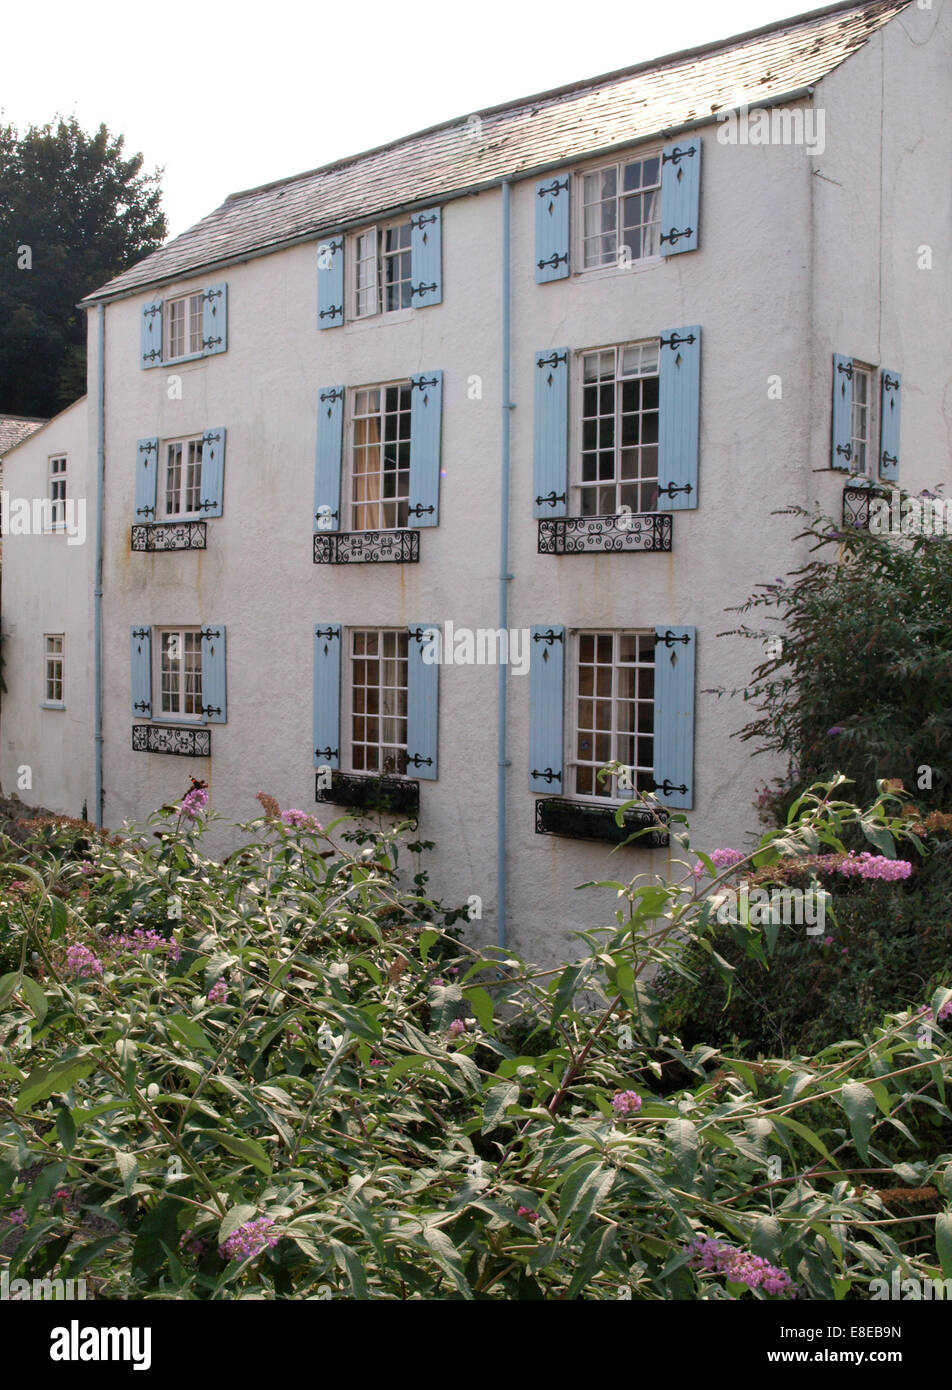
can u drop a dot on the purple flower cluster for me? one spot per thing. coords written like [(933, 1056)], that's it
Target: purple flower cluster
[(193, 802), (457, 1027), (723, 859), (300, 820), (17, 1216), (145, 939), (531, 1216), (944, 1013), (81, 961), (218, 993), (865, 865), (626, 1102), (192, 1244), (249, 1240), (739, 1266)]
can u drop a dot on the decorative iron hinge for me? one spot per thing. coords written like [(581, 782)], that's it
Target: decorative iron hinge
[(418, 634), (547, 776), (211, 294), (206, 504), (553, 359), (846, 450), (554, 260), (890, 383), (140, 632), (144, 705), (677, 154), (210, 342), (676, 340), (327, 752), (670, 638), (151, 448), (330, 632), (209, 438), (551, 499), (333, 246), (548, 638), (418, 509), (847, 370), (152, 355), (670, 489), (424, 381), (325, 514), (674, 236), (667, 788), (888, 458), (421, 288), (423, 219), (331, 313), (153, 309), (208, 633), (145, 511), (418, 761), (555, 187), (210, 709), (337, 394)]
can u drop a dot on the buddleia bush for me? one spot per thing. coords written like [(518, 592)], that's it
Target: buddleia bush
[(298, 1083)]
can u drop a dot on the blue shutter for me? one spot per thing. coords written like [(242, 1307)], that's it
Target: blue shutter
[(552, 228), (674, 715), (215, 320), (213, 673), (330, 283), (147, 469), (142, 672), (327, 660), (426, 412), (889, 427), (330, 427), (680, 196), (551, 426), (152, 334), (213, 471), (679, 405), (426, 258), (841, 447), (546, 678), (423, 700)]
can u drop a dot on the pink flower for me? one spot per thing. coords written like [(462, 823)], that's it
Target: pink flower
[(145, 939), (300, 820), (527, 1214), (218, 992), (377, 1062), (739, 1266), (249, 1240), (723, 859), (193, 802), (828, 941), (626, 1102), (457, 1027), (81, 961)]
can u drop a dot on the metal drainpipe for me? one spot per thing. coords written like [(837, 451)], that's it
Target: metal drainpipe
[(502, 761), (97, 587)]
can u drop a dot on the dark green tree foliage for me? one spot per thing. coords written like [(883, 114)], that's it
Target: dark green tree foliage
[(863, 682), (86, 212)]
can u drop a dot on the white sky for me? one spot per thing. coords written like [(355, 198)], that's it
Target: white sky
[(226, 96)]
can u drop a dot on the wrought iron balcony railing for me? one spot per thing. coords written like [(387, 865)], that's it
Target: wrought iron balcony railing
[(581, 535), (170, 535), (856, 500), (397, 795), (165, 738), (582, 820), (366, 547)]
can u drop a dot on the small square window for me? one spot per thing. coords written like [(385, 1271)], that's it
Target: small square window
[(617, 455), (54, 656), (183, 326), (180, 673), (612, 716), (382, 269), (621, 212), (180, 488)]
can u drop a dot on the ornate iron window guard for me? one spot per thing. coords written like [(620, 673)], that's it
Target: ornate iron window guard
[(366, 547), (581, 820), (398, 795), (580, 535), (856, 500), (170, 535), (161, 738)]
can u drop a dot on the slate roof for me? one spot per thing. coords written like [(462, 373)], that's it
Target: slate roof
[(512, 140), (15, 428)]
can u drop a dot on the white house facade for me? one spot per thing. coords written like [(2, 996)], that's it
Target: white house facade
[(427, 477)]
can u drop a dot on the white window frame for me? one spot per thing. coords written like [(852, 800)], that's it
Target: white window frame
[(615, 265), (177, 715), (184, 441), (349, 508), (348, 703), (576, 483), (871, 376), (57, 480), (51, 660), (572, 763), (194, 325), (378, 231)]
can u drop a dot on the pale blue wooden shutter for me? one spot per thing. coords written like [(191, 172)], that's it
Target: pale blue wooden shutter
[(551, 434), (213, 673), (141, 672), (423, 700), (680, 196), (213, 471), (552, 228), (546, 680), (215, 320), (674, 715), (426, 258), (426, 413), (327, 670), (679, 394), (330, 283), (889, 427), (152, 334), (841, 447), (147, 469), (330, 427)]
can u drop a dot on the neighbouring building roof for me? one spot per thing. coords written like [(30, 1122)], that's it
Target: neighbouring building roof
[(513, 140), (15, 428)]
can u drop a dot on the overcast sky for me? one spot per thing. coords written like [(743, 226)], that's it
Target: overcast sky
[(226, 96)]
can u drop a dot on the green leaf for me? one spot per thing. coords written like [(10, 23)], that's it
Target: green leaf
[(65, 1129), (765, 1240), (482, 1006), (59, 918), (9, 984), (128, 1166), (248, 1149), (576, 1187), (497, 1102), (860, 1105), (565, 991), (53, 1079), (682, 1139), (347, 1261), (427, 939), (186, 1030), (235, 1217), (943, 1242), (448, 1258), (595, 1252), (35, 997)]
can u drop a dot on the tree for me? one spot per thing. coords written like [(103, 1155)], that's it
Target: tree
[(74, 211)]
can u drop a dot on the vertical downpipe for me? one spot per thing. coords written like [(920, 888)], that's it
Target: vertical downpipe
[(97, 587), (502, 761)]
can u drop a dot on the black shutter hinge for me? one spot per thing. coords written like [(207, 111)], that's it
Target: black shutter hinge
[(211, 294), (210, 709), (330, 632), (666, 788), (145, 511), (554, 260), (553, 359), (889, 458), (325, 514), (144, 705), (670, 638), (677, 154), (208, 633), (547, 776), (418, 509), (332, 312), (555, 188), (417, 634), (422, 382), (418, 761), (548, 638), (210, 342), (846, 450), (890, 383), (422, 288), (336, 395), (423, 220), (152, 355), (676, 340), (670, 489), (140, 632), (327, 752), (675, 236), (151, 447), (551, 499), (847, 370)]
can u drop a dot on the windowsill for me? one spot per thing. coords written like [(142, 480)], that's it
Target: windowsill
[(610, 271), (52, 704), (591, 820), (370, 792), (179, 361), (186, 720), (374, 320)]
